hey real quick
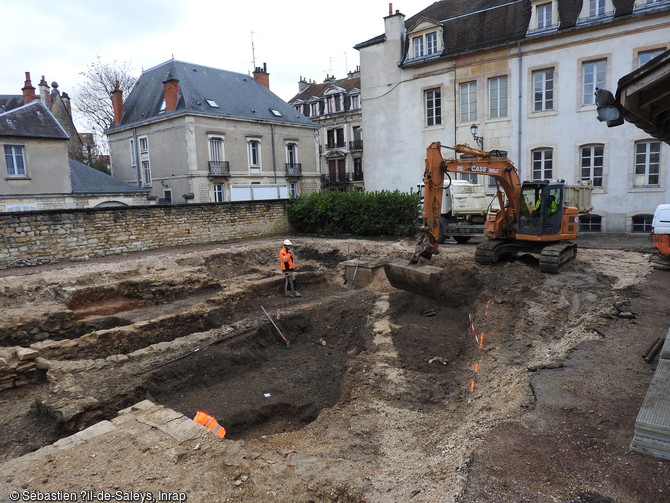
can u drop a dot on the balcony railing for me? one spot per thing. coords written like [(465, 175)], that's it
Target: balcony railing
[(293, 169), (338, 178), (335, 144), (219, 168), (355, 145)]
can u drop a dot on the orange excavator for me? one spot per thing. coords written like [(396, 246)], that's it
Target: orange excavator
[(531, 218)]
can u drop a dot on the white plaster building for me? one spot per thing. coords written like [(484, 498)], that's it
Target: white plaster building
[(525, 72)]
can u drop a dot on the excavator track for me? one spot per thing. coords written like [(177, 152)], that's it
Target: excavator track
[(488, 252), (555, 257)]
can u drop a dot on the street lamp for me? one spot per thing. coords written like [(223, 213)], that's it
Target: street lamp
[(479, 139)]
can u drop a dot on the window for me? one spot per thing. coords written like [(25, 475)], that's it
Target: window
[(590, 223), (543, 90), (219, 193), (592, 164), (335, 138), (291, 154), (133, 158), (543, 159), (275, 112), (212, 103), (433, 100), (254, 152), (144, 143), (216, 149), (544, 16), (167, 196), (645, 56), (314, 109), (355, 102), (15, 160), (424, 45), (146, 174), (468, 91), (498, 97), (293, 190), (642, 223), (596, 8), (593, 75), (334, 103), (647, 163), (417, 45), (431, 43)]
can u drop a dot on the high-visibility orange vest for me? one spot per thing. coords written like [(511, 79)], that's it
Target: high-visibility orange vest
[(286, 259), (210, 423)]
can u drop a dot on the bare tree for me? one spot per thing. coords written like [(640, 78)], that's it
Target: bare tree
[(93, 99)]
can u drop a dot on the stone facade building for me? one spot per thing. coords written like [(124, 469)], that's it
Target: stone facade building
[(525, 73), (335, 105), (191, 133)]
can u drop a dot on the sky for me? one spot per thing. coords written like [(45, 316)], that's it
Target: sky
[(295, 38)]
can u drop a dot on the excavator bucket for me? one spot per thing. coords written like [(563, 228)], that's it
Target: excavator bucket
[(420, 279)]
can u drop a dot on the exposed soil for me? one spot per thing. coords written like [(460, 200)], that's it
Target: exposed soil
[(512, 386)]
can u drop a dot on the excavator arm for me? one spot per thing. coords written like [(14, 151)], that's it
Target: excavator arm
[(424, 279)]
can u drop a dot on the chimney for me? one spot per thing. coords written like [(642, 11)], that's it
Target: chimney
[(302, 84), (170, 93), (117, 103), (44, 92), (262, 75), (28, 91), (66, 102), (390, 9)]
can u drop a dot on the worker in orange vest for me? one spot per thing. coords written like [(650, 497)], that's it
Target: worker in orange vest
[(210, 423), (287, 266)]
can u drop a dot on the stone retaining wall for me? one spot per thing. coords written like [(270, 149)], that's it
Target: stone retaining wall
[(40, 237), (19, 366)]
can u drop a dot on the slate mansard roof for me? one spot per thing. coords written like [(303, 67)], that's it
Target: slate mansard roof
[(470, 25), (32, 120), (205, 91)]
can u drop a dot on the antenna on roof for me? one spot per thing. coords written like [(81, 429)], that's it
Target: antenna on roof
[(253, 52)]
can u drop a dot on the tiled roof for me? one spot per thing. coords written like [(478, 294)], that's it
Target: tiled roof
[(319, 90), (236, 95), (87, 180), (32, 120)]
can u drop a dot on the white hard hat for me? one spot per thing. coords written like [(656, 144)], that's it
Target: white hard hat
[(287, 242)]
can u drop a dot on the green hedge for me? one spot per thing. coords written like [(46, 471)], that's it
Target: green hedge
[(333, 213)]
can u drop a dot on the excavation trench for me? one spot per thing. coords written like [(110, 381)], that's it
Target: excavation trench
[(209, 345)]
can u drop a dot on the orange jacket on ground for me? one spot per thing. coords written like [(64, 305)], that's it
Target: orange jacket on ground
[(286, 259), (210, 423)]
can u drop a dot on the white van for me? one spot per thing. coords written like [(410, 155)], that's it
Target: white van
[(660, 228)]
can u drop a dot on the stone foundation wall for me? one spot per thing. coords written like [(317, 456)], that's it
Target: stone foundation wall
[(40, 237), (19, 366)]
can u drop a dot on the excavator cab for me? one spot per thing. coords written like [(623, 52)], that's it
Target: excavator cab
[(541, 208)]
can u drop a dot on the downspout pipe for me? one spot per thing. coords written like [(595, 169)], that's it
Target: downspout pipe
[(274, 154), (519, 118)]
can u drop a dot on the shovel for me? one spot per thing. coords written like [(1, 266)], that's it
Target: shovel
[(288, 344)]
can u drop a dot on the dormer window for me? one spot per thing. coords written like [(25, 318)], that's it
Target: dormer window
[(595, 10), (424, 40), (424, 45), (544, 17)]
